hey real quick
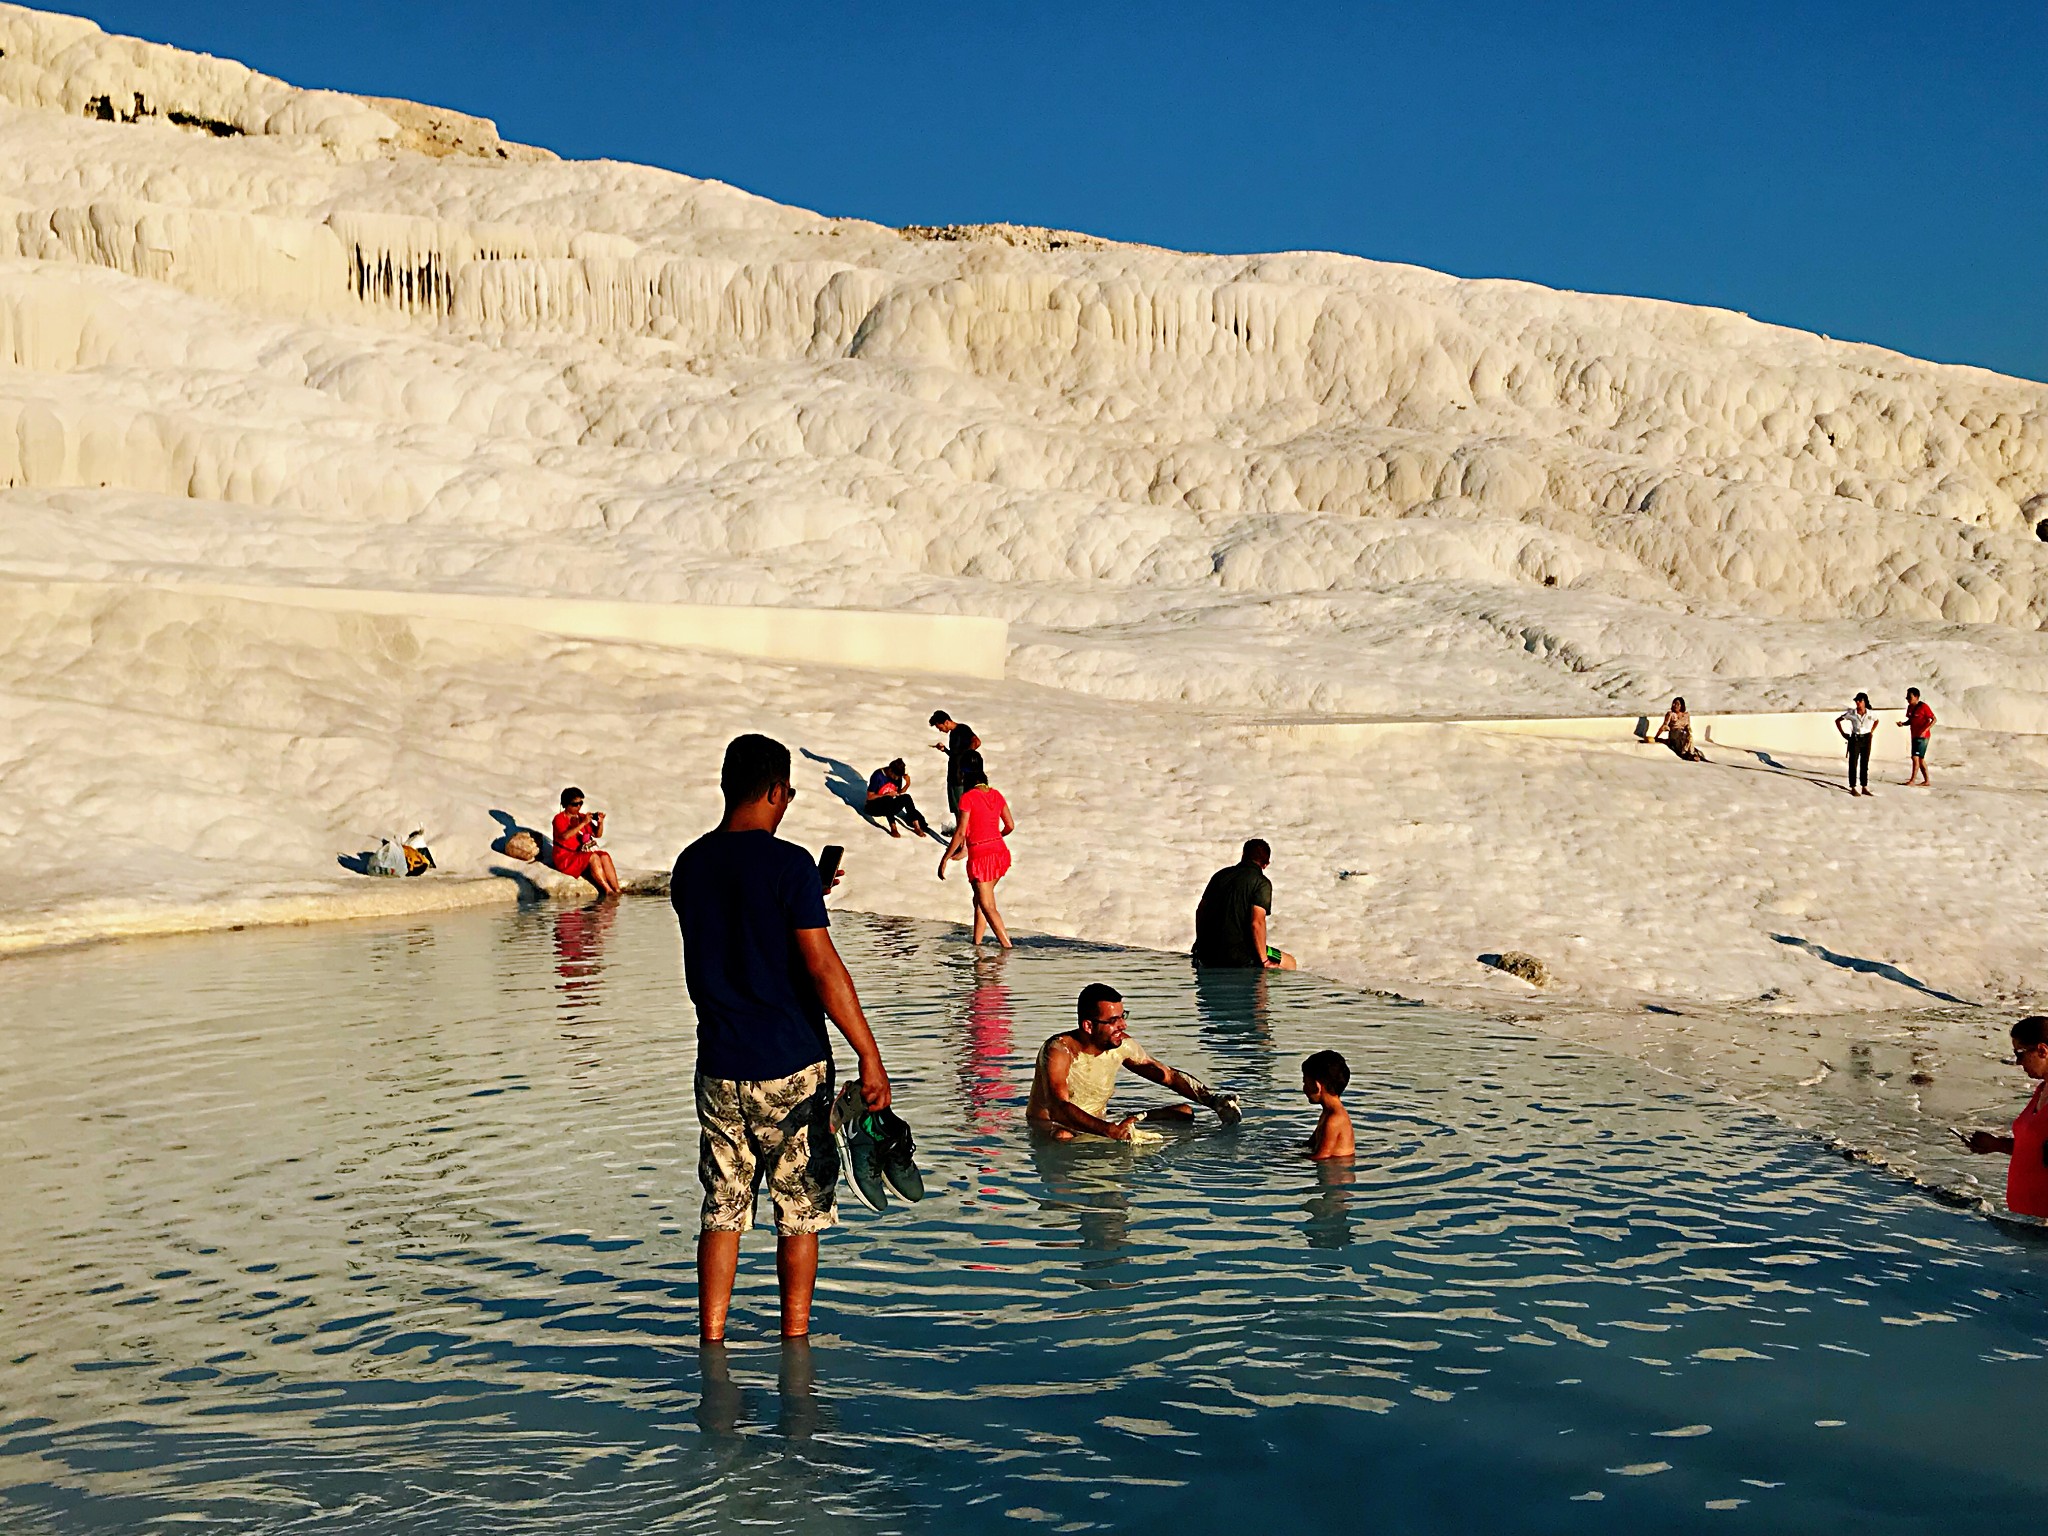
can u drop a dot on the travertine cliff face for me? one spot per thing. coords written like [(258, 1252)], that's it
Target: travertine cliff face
[(264, 337)]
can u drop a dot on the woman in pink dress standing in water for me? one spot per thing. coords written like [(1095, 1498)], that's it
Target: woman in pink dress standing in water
[(985, 820)]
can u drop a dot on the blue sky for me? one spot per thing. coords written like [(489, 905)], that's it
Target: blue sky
[(1876, 172)]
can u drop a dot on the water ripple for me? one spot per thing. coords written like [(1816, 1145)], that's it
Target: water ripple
[(389, 1229)]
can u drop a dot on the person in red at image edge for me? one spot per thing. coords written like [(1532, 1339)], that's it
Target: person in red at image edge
[(1920, 721), (576, 850), (2026, 1176)]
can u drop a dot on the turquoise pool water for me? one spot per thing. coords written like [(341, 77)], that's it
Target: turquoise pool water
[(389, 1229)]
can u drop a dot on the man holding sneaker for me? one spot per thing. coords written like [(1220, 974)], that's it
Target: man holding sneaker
[(763, 975)]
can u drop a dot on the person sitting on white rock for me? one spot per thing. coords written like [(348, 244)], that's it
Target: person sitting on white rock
[(1676, 733)]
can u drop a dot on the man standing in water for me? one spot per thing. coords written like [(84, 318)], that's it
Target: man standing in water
[(1230, 919), (1077, 1072), (763, 976)]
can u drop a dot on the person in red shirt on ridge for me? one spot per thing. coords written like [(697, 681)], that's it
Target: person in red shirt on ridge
[(1920, 721)]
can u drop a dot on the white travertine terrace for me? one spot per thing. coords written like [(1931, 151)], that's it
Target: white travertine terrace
[(267, 339)]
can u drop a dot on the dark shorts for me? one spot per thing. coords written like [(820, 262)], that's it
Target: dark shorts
[(1919, 746), (780, 1129)]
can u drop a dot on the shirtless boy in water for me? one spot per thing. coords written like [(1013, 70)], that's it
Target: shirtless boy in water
[(1077, 1073), (1324, 1076)]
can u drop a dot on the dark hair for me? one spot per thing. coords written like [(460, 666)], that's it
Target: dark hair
[(897, 765), (1861, 698), (1093, 996), (1257, 851), (973, 772), (2030, 1031), (753, 766), (939, 717), (1912, 693), (570, 796), (1679, 702), (1326, 1069)]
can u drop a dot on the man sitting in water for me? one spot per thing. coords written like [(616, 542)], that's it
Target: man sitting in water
[(1076, 1074)]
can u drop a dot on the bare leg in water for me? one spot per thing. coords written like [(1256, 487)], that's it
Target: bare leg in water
[(985, 910)]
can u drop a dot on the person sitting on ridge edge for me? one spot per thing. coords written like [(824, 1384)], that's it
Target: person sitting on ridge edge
[(1676, 733), (1230, 919), (889, 800), (576, 850)]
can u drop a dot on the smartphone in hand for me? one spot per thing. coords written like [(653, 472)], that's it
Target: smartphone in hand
[(828, 865)]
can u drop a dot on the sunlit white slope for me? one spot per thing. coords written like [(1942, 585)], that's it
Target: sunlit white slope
[(256, 335)]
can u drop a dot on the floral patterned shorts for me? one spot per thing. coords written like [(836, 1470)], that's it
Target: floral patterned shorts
[(781, 1128)]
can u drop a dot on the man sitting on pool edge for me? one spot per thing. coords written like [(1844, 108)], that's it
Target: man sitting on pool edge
[(1077, 1072), (1230, 919)]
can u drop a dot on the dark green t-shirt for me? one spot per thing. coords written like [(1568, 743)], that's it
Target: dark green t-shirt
[(1223, 920)]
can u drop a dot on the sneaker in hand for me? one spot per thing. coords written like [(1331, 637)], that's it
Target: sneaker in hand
[(862, 1148), (897, 1154)]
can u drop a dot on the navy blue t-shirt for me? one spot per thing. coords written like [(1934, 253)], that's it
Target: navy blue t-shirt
[(741, 897)]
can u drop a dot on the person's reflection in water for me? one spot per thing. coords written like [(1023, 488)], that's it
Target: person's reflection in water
[(985, 1064), (895, 937), (579, 953), (723, 1406), (1234, 1015), (1088, 1180), (719, 1411), (796, 1385), (1329, 1208)]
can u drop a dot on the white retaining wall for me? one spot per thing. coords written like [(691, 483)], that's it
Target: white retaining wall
[(954, 645)]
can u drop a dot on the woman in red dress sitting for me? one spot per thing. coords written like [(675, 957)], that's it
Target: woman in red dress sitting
[(576, 850), (985, 820)]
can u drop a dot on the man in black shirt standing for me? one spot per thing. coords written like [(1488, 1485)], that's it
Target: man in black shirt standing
[(960, 740), (1230, 922), (764, 977)]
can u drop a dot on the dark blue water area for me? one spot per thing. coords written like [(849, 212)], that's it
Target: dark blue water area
[(389, 1228)]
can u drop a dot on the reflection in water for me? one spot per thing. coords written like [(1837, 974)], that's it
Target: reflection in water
[(1329, 1207), (798, 1415), (579, 954), (985, 1068), (1088, 1182), (1234, 1012), (896, 937), (721, 1404), (724, 1406), (330, 1230)]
